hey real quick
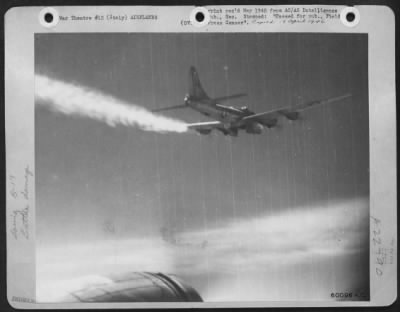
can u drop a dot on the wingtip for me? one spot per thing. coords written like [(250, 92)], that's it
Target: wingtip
[(345, 96), (340, 97)]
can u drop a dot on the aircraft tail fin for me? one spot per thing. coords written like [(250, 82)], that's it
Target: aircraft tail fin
[(196, 91)]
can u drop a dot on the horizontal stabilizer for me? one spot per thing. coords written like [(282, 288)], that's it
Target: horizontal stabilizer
[(229, 97)]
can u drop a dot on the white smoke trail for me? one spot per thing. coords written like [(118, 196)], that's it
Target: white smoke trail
[(75, 100)]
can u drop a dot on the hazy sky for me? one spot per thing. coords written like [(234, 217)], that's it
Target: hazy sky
[(94, 181)]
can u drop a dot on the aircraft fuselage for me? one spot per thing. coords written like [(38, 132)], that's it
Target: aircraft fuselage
[(228, 115)]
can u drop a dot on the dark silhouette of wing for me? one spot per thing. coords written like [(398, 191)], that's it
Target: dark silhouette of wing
[(291, 112)]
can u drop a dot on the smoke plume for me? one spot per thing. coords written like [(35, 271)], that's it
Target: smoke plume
[(71, 99)]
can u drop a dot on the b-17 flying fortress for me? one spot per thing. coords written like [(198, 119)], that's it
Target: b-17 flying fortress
[(228, 119)]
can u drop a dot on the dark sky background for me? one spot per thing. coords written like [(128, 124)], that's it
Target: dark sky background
[(91, 177)]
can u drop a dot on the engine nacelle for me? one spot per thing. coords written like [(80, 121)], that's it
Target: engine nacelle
[(203, 131), (254, 128), (246, 110), (291, 115), (271, 122), (186, 100), (233, 132)]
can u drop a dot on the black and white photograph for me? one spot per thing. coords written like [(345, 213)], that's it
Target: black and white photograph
[(201, 167)]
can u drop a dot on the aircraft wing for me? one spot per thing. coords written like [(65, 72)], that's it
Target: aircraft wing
[(168, 108), (207, 125), (287, 111)]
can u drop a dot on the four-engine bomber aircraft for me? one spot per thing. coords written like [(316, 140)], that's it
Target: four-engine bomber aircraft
[(228, 119)]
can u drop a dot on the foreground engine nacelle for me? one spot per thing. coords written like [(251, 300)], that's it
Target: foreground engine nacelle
[(271, 122), (203, 131), (246, 110), (291, 115), (254, 128)]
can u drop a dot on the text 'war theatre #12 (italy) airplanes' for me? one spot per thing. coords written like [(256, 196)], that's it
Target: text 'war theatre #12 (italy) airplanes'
[(228, 119)]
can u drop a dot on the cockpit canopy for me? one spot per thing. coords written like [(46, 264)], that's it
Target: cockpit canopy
[(187, 98)]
